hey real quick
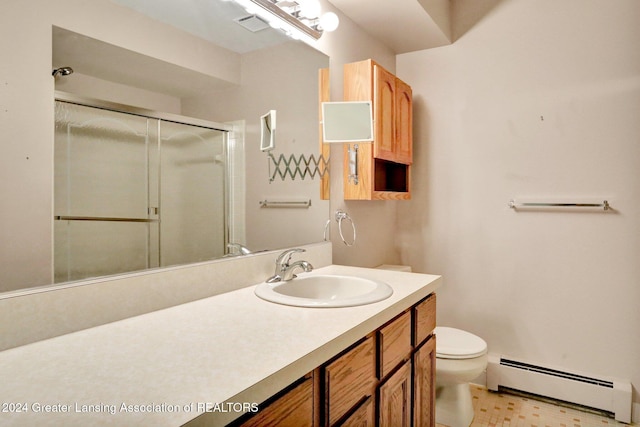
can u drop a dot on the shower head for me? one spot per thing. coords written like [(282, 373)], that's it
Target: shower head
[(63, 71)]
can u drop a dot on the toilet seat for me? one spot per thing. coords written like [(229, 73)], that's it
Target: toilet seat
[(452, 343)]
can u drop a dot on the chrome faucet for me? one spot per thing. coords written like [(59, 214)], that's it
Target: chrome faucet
[(284, 270), (238, 249)]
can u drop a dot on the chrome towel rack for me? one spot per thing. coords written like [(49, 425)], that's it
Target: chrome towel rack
[(514, 205), (342, 216), (285, 203), (101, 218)]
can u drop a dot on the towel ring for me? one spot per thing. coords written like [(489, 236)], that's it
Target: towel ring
[(341, 216)]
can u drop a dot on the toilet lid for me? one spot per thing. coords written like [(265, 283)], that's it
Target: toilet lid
[(454, 343)]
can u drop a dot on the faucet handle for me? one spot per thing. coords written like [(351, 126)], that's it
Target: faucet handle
[(285, 257), (282, 264)]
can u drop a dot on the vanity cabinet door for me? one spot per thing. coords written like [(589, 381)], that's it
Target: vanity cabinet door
[(424, 377), (364, 416), (348, 380), (295, 408), (395, 398)]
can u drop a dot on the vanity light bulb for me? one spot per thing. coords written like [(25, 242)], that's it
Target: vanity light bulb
[(329, 21), (309, 8)]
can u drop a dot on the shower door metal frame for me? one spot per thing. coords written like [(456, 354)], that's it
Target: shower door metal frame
[(160, 116), (122, 108)]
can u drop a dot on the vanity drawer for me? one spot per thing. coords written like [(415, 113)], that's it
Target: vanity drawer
[(295, 408), (395, 343), (424, 319), (349, 379)]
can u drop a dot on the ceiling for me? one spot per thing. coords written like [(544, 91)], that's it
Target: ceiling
[(214, 21), (402, 25), (91, 57)]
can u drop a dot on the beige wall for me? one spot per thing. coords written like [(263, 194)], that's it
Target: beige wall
[(26, 88), (538, 99), (26, 45), (293, 95), (375, 221), (26, 154)]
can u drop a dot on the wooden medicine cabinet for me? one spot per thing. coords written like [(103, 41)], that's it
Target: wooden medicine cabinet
[(384, 166)]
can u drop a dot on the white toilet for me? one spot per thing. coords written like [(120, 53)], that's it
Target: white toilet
[(460, 357)]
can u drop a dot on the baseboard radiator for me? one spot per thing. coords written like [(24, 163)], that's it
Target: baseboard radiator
[(605, 394)]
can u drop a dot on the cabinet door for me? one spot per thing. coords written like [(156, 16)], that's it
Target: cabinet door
[(294, 409), (424, 384), (404, 123), (384, 88), (395, 399), (364, 416)]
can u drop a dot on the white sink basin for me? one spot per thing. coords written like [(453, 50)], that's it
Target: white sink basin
[(325, 291)]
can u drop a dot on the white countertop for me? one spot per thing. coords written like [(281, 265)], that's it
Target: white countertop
[(167, 367)]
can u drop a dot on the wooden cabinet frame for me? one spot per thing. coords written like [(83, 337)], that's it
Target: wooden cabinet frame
[(384, 167)]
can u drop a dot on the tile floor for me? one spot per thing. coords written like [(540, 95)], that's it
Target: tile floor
[(509, 410)]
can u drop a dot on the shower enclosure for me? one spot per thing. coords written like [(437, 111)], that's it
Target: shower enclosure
[(133, 191)]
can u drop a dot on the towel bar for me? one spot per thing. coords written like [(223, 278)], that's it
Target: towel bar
[(285, 204), (604, 205), (100, 218)]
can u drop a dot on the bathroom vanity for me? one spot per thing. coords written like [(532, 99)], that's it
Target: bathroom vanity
[(389, 375), (205, 362)]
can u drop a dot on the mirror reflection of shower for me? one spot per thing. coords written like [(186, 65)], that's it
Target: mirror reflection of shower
[(133, 192), (62, 71)]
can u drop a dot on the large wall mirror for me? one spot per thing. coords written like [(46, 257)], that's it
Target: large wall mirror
[(238, 75)]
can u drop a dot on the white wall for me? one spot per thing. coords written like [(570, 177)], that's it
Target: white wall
[(538, 99)]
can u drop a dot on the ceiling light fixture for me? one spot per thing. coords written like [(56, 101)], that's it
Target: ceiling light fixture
[(299, 19)]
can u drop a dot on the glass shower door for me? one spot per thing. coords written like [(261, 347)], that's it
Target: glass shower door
[(134, 192), (192, 193), (102, 192)]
